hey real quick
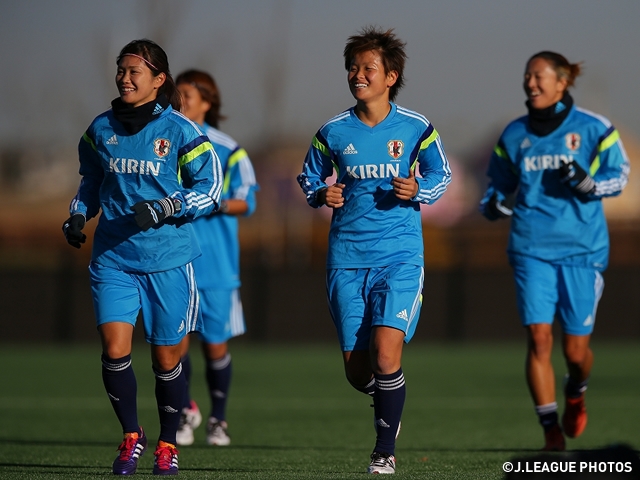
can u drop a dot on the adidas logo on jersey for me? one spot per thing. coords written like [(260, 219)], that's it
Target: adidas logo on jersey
[(112, 141), (157, 110), (403, 315), (526, 143), (350, 150)]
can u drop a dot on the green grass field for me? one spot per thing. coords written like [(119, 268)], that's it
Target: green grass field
[(292, 414)]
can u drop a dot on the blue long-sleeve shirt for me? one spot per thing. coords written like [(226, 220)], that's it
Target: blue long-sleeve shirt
[(170, 156), (374, 228)]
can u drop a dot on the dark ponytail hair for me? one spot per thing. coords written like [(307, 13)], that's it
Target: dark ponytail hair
[(562, 67), (156, 59), (209, 92)]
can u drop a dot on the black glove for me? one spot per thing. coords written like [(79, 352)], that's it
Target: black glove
[(500, 209), (573, 176), (151, 212), (72, 229)]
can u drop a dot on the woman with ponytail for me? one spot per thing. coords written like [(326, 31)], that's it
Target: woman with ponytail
[(548, 173)]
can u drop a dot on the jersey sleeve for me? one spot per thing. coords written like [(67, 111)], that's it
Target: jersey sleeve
[(201, 176), (318, 166), (503, 177), (87, 198), (240, 180), (609, 165), (433, 167)]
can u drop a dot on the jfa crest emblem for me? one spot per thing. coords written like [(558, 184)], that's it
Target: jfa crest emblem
[(395, 148), (161, 147), (573, 141)]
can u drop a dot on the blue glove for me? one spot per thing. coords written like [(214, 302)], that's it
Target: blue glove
[(574, 177), (72, 229), (151, 212)]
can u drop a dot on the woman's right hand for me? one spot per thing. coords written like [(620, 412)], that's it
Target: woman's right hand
[(332, 196)]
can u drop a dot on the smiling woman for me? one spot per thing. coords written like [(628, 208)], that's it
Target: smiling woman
[(375, 262), (549, 173), (144, 243)]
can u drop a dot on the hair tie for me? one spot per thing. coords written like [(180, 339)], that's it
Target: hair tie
[(141, 58)]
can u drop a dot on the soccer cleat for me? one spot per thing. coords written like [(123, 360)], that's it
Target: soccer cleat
[(166, 462), (190, 419), (382, 463), (574, 419), (553, 440), (217, 432), (131, 449), (194, 417), (184, 434)]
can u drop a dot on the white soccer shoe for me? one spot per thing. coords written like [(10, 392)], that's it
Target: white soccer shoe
[(217, 433), (382, 463), (190, 419)]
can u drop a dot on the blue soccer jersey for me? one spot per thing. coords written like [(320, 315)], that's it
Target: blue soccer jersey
[(219, 265), (374, 228), (550, 222), (169, 157)]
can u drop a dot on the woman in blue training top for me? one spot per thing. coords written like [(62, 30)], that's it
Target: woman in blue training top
[(549, 172), (388, 161), (150, 171), (218, 269)]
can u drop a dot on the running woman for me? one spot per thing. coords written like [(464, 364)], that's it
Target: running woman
[(150, 171), (218, 269), (388, 160), (549, 173)]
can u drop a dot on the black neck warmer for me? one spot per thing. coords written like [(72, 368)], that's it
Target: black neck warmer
[(134, 119), (543, 122)]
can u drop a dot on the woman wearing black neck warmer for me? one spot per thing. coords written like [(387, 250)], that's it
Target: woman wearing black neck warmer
[(150, 172), (548, 174)]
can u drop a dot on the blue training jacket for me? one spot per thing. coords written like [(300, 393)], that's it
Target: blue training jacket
[(374, 228), (550, 222), (170, 156), (219, 265)]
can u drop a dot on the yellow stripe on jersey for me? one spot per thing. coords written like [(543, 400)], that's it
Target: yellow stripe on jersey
[(196, 152), (498, 150), (428, 141), (87, 139), (320, 146), (233, 160), (604, 145)]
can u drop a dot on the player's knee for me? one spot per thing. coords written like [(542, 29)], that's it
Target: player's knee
[(576, 355), (540, 341), (364, 385)]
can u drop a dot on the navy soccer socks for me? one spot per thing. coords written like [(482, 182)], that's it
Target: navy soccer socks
[(219, 380), (120, 384), (388, 400), (170, 390), (547, 415), (186, 368)]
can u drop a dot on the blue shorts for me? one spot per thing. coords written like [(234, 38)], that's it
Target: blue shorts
[(545, 291), (168, 300), (221, 314), (360, 299)]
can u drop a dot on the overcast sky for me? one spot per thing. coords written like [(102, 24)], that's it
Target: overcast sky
[(279, 63)]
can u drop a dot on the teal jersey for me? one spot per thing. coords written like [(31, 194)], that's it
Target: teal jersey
[(550, 222), (374, 228), (217, 234), (169, 157)]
